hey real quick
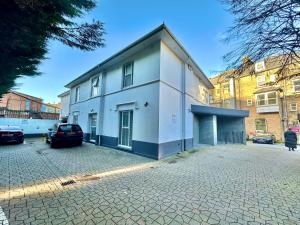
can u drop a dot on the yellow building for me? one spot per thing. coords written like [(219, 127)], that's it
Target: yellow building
[(273, 104)]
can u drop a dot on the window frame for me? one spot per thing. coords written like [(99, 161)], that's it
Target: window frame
[(125, 74), (249, 100), (265, 125), (77, 94), (294, 89), (258, 82), (93, 94), (273, 75), (266, 99), (129, 127), (258, 64), (295, 105), (75, 115)]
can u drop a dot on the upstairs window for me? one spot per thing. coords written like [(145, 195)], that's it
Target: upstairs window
[(128, 74), (260, 99), (272, 98), (266, 99), (95, 87), (273, 77), (296, 84), (27, 104), (260, 80), (260, 66), (226, 88), (77, 92), (205, 96)]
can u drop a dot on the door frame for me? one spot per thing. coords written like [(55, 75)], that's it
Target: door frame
[(130, 129), (90, 127)]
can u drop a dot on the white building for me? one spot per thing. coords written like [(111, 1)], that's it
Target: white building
[(65, 104), (145, 99)]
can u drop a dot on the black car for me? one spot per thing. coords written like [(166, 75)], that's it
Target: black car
[(264, 138), (11, 134), (64, 134)]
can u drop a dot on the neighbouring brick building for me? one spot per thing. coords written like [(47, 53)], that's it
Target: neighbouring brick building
[(18, 101), (19, 105), (273, 104)]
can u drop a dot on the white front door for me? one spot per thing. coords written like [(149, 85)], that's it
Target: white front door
[(125, 129), (93, 127)]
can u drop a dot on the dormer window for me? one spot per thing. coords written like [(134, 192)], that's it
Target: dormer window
[(260, 66)]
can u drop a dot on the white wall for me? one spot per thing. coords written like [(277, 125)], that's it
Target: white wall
[(145, 119), (145, 88), (170, 96), (29, 126), (84, 109), (146, 68), (171, 100), (65, 105)]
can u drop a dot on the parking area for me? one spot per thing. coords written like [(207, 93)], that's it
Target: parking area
[(232, 184)]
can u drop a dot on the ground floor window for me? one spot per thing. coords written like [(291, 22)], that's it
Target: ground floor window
[(75, 117), (260, 125), (125, 129)]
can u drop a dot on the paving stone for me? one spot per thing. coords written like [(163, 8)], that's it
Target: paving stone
[(248, 185)]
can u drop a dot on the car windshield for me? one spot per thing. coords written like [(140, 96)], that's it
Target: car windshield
[(65, 128)]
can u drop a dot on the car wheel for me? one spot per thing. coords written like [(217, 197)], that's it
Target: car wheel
[(80, 143), (21, 141)]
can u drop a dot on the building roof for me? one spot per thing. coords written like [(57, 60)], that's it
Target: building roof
[(272, 62), (160, 33), (64, 94), (26, 96), (209, 110)]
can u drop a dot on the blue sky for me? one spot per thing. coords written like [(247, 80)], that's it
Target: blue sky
[(197, 24)]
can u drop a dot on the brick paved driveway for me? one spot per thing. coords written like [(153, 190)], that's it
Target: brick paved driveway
[(232, 184)]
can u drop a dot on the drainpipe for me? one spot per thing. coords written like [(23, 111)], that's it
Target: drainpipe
[(101, 105), (183, 90)]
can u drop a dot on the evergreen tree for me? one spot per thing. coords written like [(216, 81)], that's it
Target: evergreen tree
[(27, 25)]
